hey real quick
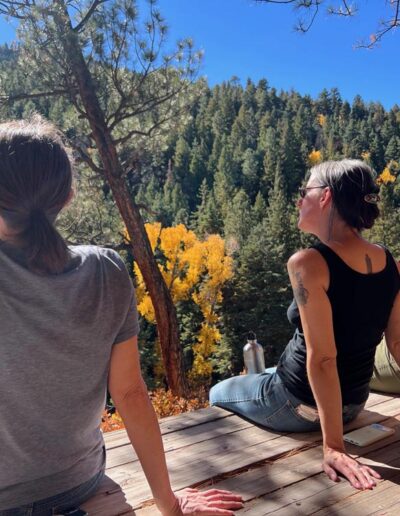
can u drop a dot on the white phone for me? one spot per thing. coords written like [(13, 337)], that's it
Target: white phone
[(368, 434)]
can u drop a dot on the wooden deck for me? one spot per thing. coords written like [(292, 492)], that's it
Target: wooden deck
[(276, 474)]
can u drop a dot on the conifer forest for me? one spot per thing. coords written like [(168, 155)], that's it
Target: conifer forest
[(213, 173)]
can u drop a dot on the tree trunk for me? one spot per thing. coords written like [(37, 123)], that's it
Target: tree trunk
[(165, 313)]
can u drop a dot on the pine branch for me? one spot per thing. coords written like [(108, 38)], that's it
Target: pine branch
[(88, 15), (26, 96)]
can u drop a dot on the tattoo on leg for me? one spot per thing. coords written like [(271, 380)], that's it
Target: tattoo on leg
[(369, 264), (300, 292)]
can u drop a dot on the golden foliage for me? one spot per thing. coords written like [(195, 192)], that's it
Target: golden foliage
[(321, 119), (164, 403), (192, 269), (386, 176), (314, 157), (111, 422)]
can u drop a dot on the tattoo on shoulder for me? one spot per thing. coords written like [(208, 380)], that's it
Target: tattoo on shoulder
[(369, 264), (300, 292)]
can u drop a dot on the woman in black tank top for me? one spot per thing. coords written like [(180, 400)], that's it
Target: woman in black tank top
[(346, 295)]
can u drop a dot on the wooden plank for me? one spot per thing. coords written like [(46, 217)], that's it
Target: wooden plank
[(364, 503), (198, 417), (171, 424), (221, 454), (276, 475), (215, 457), (181, 438), (319, 495), (121, 454)]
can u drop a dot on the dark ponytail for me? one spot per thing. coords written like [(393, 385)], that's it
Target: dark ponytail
[(35, 184)]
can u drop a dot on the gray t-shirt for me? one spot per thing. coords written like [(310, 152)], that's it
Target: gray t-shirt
[(56, 337)]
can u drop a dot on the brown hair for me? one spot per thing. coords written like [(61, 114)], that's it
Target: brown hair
[(35, 184)]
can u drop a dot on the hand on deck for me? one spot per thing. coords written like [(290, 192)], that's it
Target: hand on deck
[(359, 475), (213, 502)]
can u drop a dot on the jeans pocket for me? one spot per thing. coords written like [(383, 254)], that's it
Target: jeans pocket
[(287, 419)]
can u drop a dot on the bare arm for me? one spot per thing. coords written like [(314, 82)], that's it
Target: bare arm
[(129, 393), (131, 399), (392, 332), (309, 277)]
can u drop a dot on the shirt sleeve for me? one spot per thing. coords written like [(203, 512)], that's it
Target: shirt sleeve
[(126, 298), (130, 327)]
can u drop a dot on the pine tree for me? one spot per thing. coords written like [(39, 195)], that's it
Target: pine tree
[(205, 219), (259, 209), (238, 222), (251, 173), (393, 149)]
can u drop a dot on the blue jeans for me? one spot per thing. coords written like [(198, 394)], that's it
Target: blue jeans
[(58, 504), (264, 400)]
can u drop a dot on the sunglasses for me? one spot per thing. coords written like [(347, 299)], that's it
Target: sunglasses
[(303, 189)]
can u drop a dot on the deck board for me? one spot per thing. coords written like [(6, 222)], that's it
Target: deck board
[(275, 473)]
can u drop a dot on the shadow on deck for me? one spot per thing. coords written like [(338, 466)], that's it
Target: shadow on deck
[(276, 474)]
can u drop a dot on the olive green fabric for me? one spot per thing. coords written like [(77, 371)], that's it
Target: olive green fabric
[(386, 377)]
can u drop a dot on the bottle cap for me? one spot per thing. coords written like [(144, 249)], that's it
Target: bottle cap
[(251, 335)]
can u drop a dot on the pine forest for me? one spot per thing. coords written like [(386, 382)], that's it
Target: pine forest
[(214, 173)]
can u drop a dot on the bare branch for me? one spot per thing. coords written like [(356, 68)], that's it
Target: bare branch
[(344, 10), (15, 9), (386, 26), (87, 16), (146, 106), (25, 96), (84, 157), (147, 133), (305, 28)]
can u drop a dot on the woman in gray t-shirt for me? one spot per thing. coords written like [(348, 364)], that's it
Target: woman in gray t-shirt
[(68, 324)]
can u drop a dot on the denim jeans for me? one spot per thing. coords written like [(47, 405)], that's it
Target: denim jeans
[(264, 400), (61, 503)]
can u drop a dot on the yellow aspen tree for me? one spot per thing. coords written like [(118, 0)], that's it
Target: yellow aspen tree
[(314, 157), (192, 269), (386, 176)]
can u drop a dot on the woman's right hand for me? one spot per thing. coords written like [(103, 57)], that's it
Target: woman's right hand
[(359, 475), (213, 502)]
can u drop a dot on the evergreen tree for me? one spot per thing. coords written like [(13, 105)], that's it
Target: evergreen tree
[(393, 149), (259, 209), (251, 173), (205, 219), (238, 222), (270, 159)]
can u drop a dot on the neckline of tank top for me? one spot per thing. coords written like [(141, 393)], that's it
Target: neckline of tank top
[(363, 274)]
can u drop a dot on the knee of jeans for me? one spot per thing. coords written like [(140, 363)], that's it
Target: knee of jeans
[(216, 394), (212, 395)]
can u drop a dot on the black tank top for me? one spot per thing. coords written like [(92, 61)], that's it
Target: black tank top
[(361, 306)]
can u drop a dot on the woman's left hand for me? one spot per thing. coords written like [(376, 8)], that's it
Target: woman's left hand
[(359, 475), (213, 502)]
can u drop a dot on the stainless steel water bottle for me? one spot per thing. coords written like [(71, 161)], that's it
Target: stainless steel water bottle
[(253, 355)]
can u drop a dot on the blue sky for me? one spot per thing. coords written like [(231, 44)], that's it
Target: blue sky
[(245, 39)]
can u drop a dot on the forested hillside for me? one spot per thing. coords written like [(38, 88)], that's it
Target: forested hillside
[(230, 166)]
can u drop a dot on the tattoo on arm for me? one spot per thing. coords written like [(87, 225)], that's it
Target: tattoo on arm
[(300, 292), (369, 264)]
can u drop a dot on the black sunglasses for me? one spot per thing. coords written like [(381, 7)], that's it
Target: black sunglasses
[(303, 189)]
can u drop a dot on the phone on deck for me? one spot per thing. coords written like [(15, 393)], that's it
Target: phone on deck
[(368, 434)]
